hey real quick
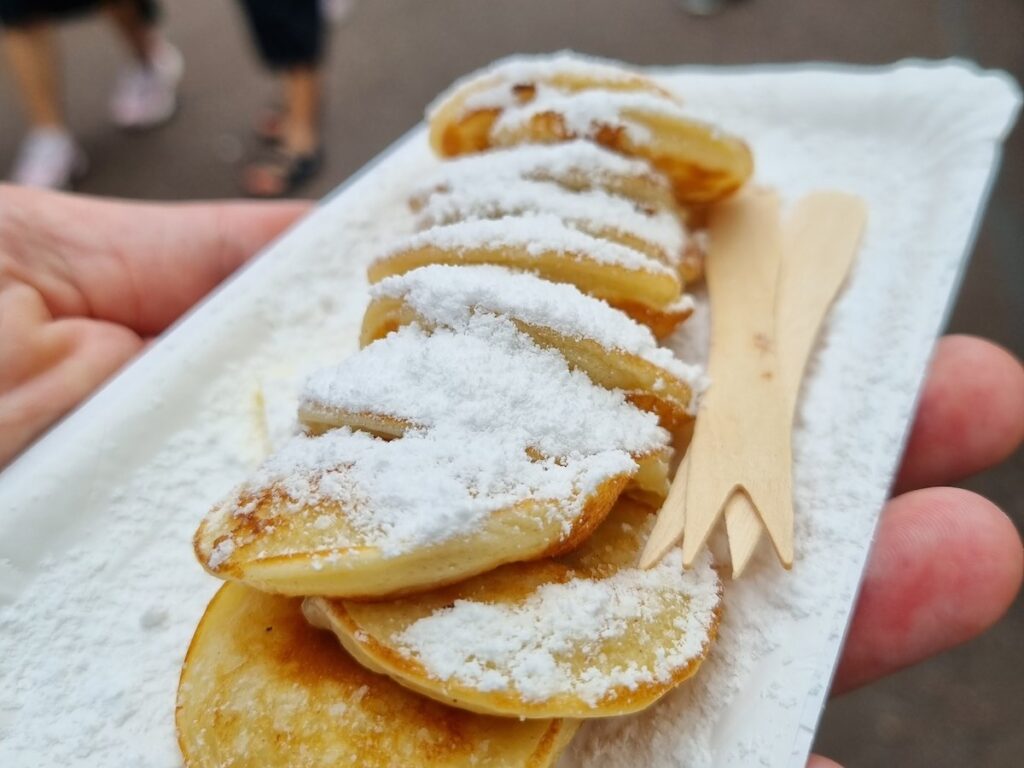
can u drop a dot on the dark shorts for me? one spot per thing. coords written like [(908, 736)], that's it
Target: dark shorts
[(288, 33), (15, 12)]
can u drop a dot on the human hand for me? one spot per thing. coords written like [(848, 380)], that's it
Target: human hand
[(85, 282), (946, 563)]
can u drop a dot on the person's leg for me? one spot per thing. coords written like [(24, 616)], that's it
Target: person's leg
[(289, 38), (31, 54), (137, 27), (300, 128), (48, 156), (146, 92)]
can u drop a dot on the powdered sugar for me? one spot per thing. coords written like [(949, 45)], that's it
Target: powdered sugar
[(535, 234), (570, 161), (449, 296), (593, 212), (420, 490), (585, 113), (486, 378), (518, 69), (221, 552), (509, 440), (533, 647)]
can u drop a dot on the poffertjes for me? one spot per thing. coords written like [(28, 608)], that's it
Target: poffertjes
[(507, 477), (585, 635), (556, 98), (462, 503), (613, 350), (642, 287), (660, 234), (578, 165), (261, 688), (410, 380)]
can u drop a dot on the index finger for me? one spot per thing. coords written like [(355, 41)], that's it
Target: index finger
[(970, 416)]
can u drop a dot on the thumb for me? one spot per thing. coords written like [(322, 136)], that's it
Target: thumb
[(135, 264), (817, 761)]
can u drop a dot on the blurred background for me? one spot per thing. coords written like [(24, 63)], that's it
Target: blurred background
[(385, 59)]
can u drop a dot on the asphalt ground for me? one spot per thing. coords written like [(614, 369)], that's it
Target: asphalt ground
[(390, 57)]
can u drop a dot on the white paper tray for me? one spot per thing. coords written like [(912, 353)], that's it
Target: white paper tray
[(99, 593)]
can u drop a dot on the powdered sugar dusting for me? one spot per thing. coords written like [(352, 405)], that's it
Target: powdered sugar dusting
[(536, 234), (221, 552), (592, 212), (571, 160), (460, 479), (584, 113), (487, 377), (532, 647), (509, 440), (449, 296), (519, 69)]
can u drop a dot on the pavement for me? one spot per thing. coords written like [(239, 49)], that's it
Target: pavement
[(390, 57)]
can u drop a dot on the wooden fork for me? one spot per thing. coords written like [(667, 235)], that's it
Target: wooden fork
[(770, 288)]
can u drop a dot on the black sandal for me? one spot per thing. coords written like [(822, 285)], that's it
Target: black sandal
[(292, 170), (269, 128)]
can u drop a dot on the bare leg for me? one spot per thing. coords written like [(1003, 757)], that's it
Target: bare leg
[(299, 133), (137, 31), (300, 130), (146, 93), (32, 56)]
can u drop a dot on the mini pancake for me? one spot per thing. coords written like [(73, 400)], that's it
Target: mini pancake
[(584, 635), (261, 688), (485, 375), (516, 102), (346, 514), (661, 322), (579, 166), (641, 286), (659, 235), (505, 475), (613, 350), (467, 103)]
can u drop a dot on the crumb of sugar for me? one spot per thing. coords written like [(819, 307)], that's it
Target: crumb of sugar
[(537, 234), (221, 552), (487, 376), (532, 647), (154, 617), (449, 295), (592, 211), (578, 158)]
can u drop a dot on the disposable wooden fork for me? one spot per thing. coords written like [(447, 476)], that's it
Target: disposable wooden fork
[(770, 290)]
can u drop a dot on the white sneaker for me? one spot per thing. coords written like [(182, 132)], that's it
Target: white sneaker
[(337, 11), (146, 96), (50, 158)]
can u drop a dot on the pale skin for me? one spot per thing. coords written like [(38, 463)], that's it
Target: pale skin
[(84, 283)]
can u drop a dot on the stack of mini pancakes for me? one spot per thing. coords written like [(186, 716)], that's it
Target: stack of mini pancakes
[(440, 570)]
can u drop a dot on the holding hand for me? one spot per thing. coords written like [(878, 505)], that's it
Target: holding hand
[(84, 283)]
